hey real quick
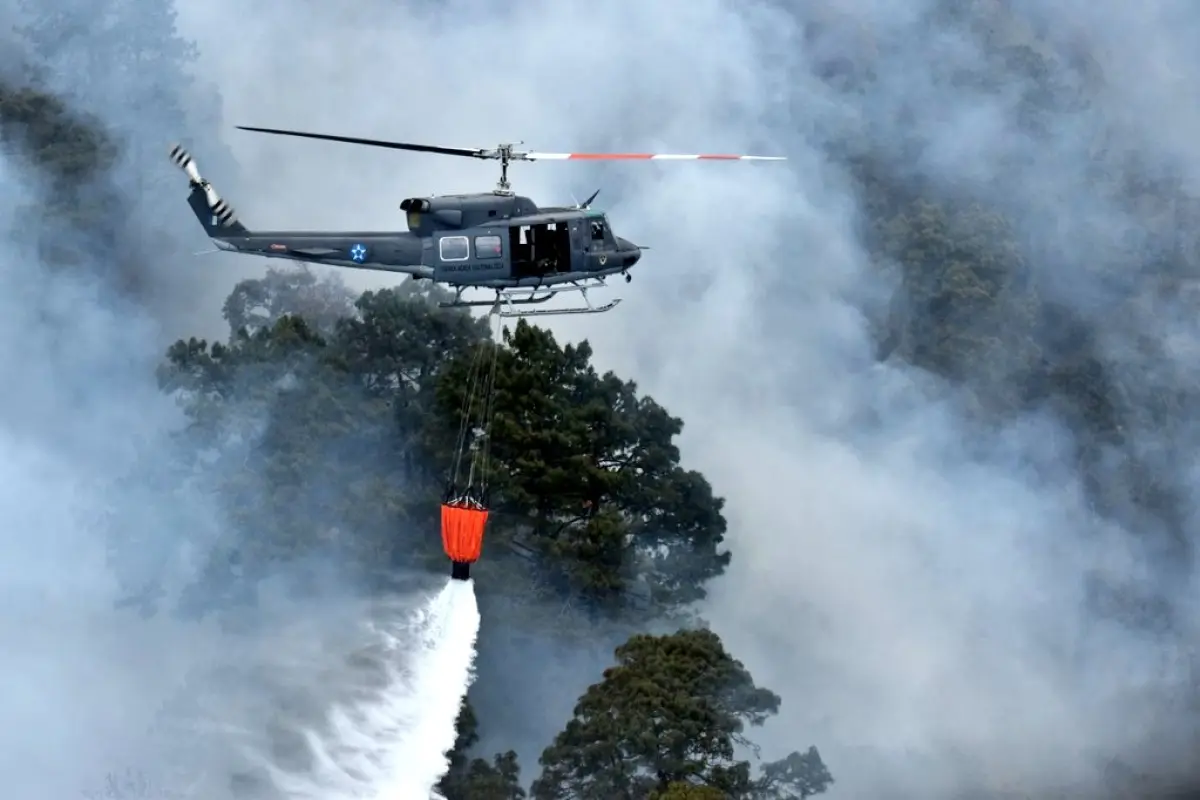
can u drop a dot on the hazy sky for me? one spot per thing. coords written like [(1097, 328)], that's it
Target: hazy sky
[(912, 593)]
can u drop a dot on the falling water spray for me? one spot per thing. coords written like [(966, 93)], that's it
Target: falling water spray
[(392, 742)]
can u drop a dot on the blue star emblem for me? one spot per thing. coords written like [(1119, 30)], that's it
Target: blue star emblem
[(358, 254)]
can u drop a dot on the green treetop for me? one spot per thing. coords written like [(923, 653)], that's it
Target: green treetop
[(672, 711), (593, 467)]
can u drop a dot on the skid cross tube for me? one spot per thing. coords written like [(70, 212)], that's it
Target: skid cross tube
[(510, 302)]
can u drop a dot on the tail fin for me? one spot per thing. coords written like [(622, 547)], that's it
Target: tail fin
[(215, 215)]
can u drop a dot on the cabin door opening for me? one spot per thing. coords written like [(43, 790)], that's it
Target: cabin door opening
[(540, 250)]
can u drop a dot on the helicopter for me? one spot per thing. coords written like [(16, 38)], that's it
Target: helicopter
[(496, 240)]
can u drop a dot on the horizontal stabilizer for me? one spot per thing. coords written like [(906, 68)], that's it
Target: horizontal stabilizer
[(316, 252)]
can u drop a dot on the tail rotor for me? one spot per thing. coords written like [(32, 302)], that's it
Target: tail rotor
[(222, 213)]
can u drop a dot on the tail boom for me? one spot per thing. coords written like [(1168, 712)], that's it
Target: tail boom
[(398, 252)]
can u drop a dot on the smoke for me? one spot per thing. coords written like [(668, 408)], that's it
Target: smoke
[(77, 396), (79, 408), (106, 533), (125, 64), (914, 587)]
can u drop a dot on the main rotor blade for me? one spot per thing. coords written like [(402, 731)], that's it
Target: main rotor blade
[(418, 148), (645, 157)]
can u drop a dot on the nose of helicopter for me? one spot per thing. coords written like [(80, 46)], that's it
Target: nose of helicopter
[(630, 252)]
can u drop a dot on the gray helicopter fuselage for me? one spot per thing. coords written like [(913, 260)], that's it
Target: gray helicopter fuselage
[(491, 240)]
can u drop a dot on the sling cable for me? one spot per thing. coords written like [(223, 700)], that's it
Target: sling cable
[(464, 505)]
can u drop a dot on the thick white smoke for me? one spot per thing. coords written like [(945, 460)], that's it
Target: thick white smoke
[(193, 706)]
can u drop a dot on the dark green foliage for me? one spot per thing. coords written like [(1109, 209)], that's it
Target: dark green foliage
[(688, 791), (333, 437), (499, 780), (969, 313), (347, 429), (795, 777), (310, 425), (398, 346), (71, 156), (476, 778), (670, 712), (322, 462), (594, 469), (466, 727), (68, 147), (125, 63)]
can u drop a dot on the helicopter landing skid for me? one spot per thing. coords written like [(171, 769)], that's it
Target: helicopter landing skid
[(510, 302)]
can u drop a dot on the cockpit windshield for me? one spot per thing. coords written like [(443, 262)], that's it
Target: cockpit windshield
[(599, 227)]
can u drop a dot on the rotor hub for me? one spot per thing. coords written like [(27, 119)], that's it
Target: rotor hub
[(505, 154)]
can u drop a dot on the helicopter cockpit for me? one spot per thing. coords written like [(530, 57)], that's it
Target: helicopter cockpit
[(601, 236)]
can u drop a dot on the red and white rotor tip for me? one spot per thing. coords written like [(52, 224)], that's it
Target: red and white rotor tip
[(647, 157)]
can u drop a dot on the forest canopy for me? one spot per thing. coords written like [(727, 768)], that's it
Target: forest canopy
[(591, 504), (585, 471)]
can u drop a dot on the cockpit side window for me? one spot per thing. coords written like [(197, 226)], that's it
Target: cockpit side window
[(598, 230)]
